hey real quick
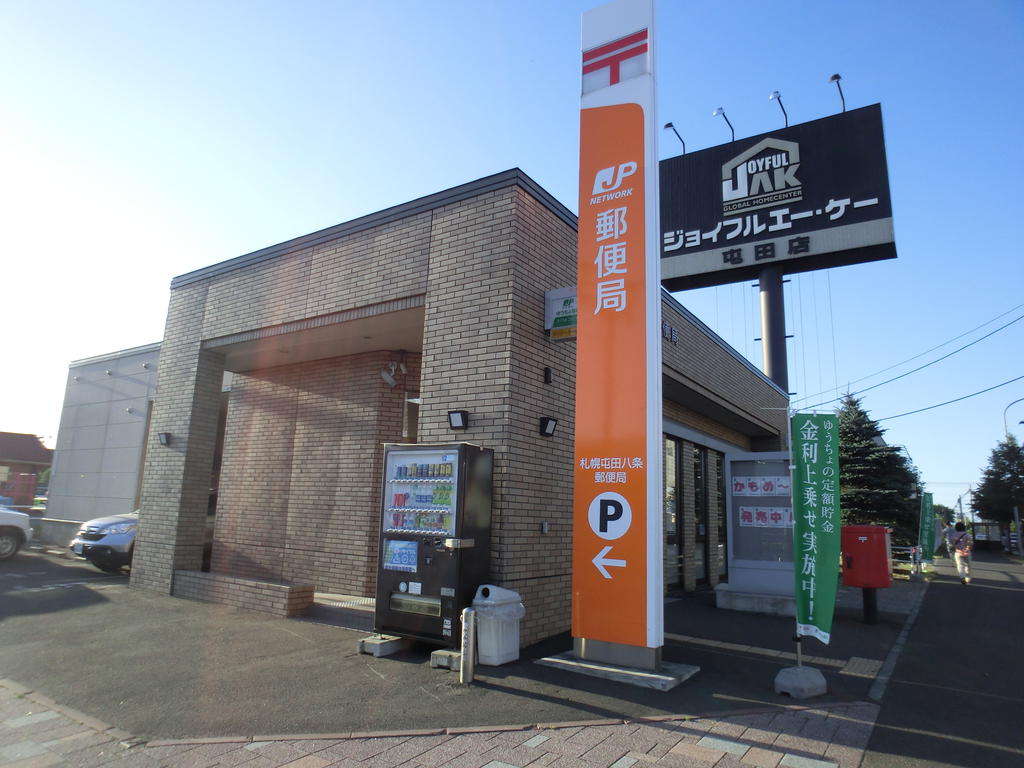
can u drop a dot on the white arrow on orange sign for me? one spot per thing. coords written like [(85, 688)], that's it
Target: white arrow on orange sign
[(601, 561)]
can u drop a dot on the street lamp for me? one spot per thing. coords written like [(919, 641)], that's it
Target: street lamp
[(835, 79), (669, 125), (776, 96), (721, 112), (1006, 430)]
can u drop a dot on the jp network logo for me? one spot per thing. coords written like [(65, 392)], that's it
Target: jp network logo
[(607, 183)]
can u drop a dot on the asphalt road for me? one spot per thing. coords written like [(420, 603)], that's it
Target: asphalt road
[(30, 573), (161, 667), (956, 696)]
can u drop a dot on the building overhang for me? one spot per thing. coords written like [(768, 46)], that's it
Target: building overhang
[(689, 394), (391, 325)]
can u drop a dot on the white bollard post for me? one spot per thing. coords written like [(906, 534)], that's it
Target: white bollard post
[(468, 663)]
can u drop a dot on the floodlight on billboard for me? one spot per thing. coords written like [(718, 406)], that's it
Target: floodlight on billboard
[(806, 197)]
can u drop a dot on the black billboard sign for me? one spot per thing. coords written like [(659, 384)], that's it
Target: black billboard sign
[(806, 197)]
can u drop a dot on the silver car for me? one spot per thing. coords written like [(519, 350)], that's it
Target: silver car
[(15, 531), (107, 542)]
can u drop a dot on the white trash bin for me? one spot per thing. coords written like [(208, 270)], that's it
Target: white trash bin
[(498, 612)]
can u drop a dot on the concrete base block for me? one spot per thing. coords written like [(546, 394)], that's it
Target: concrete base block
[(666, 679), (801, 682), (446, 659), (754, 602), (383, 645)]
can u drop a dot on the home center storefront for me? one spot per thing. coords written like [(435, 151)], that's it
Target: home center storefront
[(371, 332)]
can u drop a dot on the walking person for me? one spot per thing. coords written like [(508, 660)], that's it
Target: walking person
[(962, 544), (947, 538)]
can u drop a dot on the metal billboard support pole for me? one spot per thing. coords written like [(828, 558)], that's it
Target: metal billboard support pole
[(773, 327)]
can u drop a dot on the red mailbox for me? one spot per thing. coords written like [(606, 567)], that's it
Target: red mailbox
[(867, 556)]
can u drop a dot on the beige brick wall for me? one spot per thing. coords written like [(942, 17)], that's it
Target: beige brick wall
[(361, 269), (250, 594), (175, 490), (485, 351), (300, 480)]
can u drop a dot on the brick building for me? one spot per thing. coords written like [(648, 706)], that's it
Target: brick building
[(445, 294), (22, 459)]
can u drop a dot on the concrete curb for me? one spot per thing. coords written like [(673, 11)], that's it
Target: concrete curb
[(462, 731), (705, 736), (128, 740)]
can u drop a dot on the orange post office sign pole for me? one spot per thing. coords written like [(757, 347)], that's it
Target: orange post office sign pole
[(617, 540)]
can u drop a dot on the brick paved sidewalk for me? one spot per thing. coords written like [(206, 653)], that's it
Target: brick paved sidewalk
[(36, 732)]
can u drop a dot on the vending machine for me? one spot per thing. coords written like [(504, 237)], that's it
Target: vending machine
[(435, 538)]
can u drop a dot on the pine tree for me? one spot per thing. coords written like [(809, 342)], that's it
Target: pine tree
[(1002, 483), (943, 513), (878, 485)]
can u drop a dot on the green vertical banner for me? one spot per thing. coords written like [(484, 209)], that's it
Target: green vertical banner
[(816, 529), (926, 541)]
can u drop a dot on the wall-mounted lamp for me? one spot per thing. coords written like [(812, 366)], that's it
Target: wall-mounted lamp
[(458, 419), (387, 373), (165, 438), (547, 426)]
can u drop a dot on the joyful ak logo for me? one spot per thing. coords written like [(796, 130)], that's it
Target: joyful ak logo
[(607, 182), (763, 175)]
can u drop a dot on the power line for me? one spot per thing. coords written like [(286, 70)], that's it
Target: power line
[(921, 354), (926, 365), (950, 402), (832, 323)]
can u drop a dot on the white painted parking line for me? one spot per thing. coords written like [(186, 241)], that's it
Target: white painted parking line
[(28, 575), (98, 583)]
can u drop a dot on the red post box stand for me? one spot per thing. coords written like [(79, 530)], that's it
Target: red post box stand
[(867, 563)]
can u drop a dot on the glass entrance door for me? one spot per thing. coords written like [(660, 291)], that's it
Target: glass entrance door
[(700, 513), (673, 554)]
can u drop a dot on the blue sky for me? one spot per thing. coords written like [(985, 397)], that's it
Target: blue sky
[(142, 140)]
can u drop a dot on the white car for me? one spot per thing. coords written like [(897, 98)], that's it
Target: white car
[(15, 532)]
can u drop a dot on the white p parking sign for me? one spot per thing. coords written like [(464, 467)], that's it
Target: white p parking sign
[(610, 516)]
